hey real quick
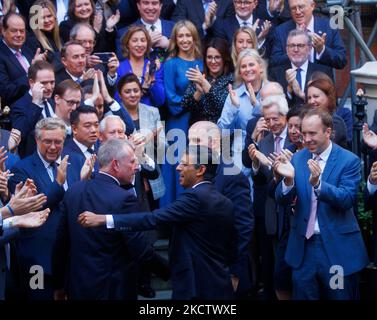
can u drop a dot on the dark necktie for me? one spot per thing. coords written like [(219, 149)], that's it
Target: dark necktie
[(54, 168), (47, 109), (244, 24), (153, 27), (90, 150), (298, 77)]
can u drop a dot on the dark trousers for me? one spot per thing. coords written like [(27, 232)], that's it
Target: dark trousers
[(313, 280)]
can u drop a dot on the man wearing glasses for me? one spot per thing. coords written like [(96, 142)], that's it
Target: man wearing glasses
[(327, 46), (295, 74), (244, 17)]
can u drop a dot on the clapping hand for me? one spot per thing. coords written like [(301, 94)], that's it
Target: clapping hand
[(233, 96), (318, 41), (369, 137), (315, 172), (87, 168), (14, 139), (253, 98), (61, 175), (282, 166)]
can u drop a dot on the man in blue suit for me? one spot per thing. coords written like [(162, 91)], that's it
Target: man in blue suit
[(202, 245), (234, 185), (15, 59), (159, 29), (33, 105), (328, 48), (102, 264), (325, 248), (52, 175)]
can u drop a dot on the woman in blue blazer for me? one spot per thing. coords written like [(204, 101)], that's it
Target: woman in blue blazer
[(136, 45)]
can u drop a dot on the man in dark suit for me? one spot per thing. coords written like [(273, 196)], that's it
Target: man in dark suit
[(101, 264), (159, 29), (328, 48), (295, 74), (233, 184), (33, 105), (202, 243), (274, 112), (15, 59), (244, 16), (203, 13), (52, 175), (85, 132), (325, 247)]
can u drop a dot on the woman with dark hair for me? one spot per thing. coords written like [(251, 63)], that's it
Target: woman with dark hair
[(321, 94), (343, 112), (136, 45), (46, 36), (205, 96), (85, 11)]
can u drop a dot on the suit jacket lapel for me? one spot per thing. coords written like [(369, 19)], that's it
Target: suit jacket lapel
[(39, 167), (330, 164), (12, 58)]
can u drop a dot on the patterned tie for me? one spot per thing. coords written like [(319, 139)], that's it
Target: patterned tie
[(298, 77), (277, 144), (313, 211), (244, 24), (47, 109), (21, 61)]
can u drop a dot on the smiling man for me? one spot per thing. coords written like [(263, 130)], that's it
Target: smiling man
[(203, 241), (324, 179), (327, 45)]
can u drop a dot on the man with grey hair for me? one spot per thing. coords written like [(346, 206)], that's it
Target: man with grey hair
[(102, 264), (274, 110), (52, 175), (294, 74)]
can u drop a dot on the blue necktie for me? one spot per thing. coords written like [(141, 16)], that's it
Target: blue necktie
[(298, 76), (54, 168), (47, 109)]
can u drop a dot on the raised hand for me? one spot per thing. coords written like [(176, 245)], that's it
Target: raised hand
[(276, 6), (62, 171), (233, 96), (89, 74), (318, 41), (97, 22), (22, 205), (253, 98), (31, 219), (39, 56), (373, 173), (260, 127), (264, 30), (92, 60), (113, 65), (3, 158), (315, 172), (369, 137), (14, 139), (89, 219), (37, 91), (284, 168), (210, 14), (112, 21), (87, 168)]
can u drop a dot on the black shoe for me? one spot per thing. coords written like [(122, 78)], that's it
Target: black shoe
[(146, 291)]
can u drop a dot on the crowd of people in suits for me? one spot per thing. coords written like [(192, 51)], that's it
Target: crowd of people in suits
[(215, 120)]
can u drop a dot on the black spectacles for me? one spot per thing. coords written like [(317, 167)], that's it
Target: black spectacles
[(298, 46), (72, 103)]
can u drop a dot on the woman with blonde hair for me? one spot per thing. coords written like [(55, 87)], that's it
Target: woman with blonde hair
[(184, 53), (45, 28), (243, 38), (136, 45), (243, 103)]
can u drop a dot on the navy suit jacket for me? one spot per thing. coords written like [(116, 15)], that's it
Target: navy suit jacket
[(236, 187), (202, 244), (34, 247), (277, 74), (166, 25), (193, 10), (13, 78), (338, 225), (262, 13), (334, 55), (100, 264)]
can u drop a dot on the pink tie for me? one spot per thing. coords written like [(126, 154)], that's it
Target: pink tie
[(21, 61), (313, 211), (277, 144)]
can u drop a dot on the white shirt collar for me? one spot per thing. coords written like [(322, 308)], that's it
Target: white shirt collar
[(249, 21), (199, 183), (82, 147), (283, 134), (107, 174), (304, 67), (326, 153), (73, 77), (157, 24), (47, 164)]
